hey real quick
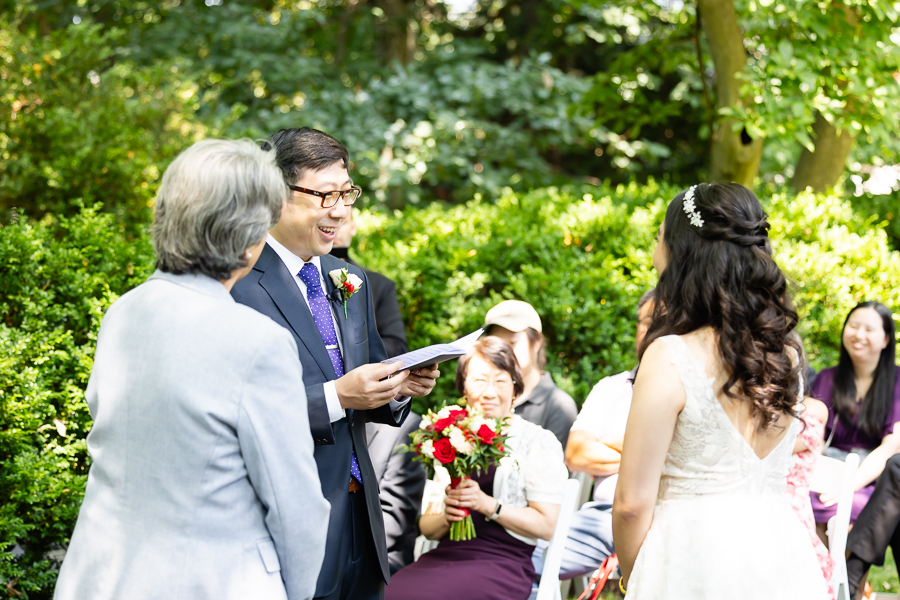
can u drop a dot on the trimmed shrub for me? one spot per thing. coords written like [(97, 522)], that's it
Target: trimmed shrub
[(582, 258), (58, 278)]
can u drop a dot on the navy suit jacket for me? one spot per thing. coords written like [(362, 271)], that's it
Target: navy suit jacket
[(271, 290)]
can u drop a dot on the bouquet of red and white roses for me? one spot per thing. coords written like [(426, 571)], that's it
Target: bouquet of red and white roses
[(463, 440)]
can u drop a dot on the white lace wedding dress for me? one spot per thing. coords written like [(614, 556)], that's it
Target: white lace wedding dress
[(722, 528)]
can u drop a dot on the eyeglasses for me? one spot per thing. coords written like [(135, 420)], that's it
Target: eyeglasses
[(329, 199), (501, 384)]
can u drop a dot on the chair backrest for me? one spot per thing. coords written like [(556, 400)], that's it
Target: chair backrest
[(832, 476), (549, 587), (423, 544), (587, 485)]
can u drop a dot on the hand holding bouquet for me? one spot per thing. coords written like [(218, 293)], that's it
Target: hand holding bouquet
[(463, 440)]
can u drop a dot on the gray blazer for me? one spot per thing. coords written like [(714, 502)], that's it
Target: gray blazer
[(203, 483), (402, 484)]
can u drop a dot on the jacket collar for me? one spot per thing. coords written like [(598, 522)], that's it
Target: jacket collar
[(203, 284)]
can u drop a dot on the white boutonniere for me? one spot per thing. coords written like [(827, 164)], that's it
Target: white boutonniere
[(346, 284)]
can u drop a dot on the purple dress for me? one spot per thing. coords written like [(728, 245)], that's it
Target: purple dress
[(848, 439), (493, 565)]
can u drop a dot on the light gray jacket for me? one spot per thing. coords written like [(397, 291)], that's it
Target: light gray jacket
[(203, 483)]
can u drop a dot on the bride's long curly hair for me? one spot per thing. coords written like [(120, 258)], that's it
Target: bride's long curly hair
[(721, 274)]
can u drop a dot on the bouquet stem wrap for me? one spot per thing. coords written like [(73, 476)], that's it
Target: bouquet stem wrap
[(465, 529)]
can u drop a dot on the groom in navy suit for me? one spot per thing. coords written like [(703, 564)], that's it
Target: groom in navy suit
[(341, 353)]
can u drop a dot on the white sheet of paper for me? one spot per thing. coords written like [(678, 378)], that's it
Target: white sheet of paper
[(438, 353)]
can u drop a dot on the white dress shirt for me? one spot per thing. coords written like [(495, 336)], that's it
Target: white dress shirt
[(605, 412), (294, 263)]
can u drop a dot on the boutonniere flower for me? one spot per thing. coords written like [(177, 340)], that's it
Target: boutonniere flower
[(346, 283)]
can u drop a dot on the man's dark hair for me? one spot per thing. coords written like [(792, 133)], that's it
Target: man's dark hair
[(301, 149)]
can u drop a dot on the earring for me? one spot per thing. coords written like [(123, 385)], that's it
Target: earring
[(249, 255)]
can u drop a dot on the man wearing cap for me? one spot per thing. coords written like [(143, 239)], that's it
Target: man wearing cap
[(541, 402)]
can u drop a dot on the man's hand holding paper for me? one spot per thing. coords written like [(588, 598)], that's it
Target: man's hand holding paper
[(370, 386), (420, 382)]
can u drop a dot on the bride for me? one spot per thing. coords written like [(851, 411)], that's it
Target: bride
[(700, 510)]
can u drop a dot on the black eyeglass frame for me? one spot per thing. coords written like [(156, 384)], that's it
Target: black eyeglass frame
[(340, 195)]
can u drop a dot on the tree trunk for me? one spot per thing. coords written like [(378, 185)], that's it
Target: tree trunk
[(822, 168), (734, 155), (396, 35)]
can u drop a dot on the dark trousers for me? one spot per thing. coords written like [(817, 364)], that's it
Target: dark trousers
[(878, 525), (360, 576)]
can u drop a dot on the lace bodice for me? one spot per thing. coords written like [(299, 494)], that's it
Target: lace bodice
[(722, 527), (707, 454)]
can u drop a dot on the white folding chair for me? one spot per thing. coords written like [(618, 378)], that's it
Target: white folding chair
[(831, 476), (549, 586), (578, 584), (423, 544)]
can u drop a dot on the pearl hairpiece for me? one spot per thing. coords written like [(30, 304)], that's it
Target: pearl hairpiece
[(690, 209)]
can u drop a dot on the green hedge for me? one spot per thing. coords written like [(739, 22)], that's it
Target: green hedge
[(580, 255), (582, 258), (58, 278)]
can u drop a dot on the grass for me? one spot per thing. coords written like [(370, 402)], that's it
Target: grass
[(884, 580)]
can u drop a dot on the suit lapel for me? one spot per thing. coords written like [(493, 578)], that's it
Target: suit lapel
[(286, 295), (348, 332)]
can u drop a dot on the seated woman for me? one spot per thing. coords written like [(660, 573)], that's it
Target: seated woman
[(511, 504), (863, 400)]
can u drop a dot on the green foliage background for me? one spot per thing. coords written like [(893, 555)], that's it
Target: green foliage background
[(580, 255), (526, 151)]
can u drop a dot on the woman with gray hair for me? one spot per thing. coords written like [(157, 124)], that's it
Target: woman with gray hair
[(203, 483)]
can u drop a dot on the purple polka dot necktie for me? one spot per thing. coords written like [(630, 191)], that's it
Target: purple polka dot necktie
[(321, 313)]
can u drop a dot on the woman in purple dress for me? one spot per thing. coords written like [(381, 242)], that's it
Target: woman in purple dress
[(511, 504), (863, 399)]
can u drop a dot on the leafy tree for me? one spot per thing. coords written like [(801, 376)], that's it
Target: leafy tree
[(83, 125), (819, 73)]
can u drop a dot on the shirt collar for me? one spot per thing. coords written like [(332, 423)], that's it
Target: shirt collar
[(293, 262)]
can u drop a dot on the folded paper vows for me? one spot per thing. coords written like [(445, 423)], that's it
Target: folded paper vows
[(438, 353)]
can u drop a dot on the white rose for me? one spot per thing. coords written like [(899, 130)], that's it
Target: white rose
[(427, 448), (355, 281), (476, 423), (338, 276), (459, 441), (445, 412)]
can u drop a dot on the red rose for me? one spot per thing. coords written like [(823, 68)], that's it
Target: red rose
[(444, 451), (442, 424), (459, 415), (486, 434)]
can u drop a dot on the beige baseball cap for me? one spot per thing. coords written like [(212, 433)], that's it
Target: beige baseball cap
[(514, 315)]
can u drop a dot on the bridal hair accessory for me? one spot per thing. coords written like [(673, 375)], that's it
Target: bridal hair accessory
[(690, 209)]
